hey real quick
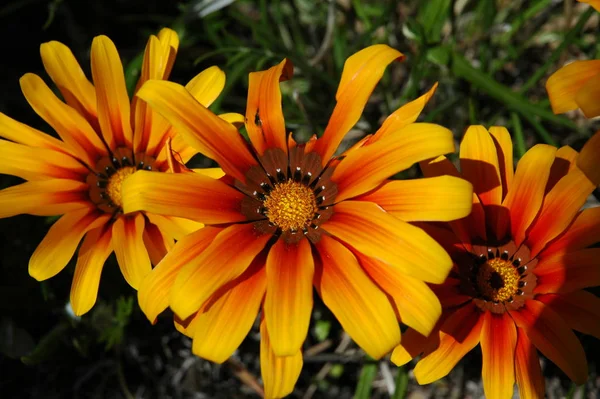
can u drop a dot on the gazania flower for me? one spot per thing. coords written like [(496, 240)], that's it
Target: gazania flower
[(103, 140), (287, 216), (520, 268)]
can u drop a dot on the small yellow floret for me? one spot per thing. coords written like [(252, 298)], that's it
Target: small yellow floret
[(290, 205), (498, 280), (115, 182)]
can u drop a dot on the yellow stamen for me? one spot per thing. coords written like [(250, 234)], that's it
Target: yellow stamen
[(498, 280), (290, 205), (115, 182)]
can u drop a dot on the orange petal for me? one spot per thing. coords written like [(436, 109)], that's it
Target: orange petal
[(289, 299), (44, 198), (565, 83), (209, 134), (498, 341), (564, 161), (156, 242), (526, 193), (442, 198), (568, 272), (173, 226), (264, 116), (559, 208), (458, 335), (71, 126), (21, 133), (403, 116), (361, 73), (155, 290), (279, 373), (412, 346), (113, 102), (504, 148), (131, 253), (230, 253), (580, 309), (593, 3), (417, 305), (583, 232), (169, 40), (479, 165), (67, 75), (367, 167), (375, 233), (551, 335), (362, 309), (588, 159), (528, 372), (187, 195), (588, 97), (59, 245), (92, 255)]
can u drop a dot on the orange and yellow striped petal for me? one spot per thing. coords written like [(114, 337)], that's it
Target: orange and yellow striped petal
[(59, 245), (528, 372), (375, 233), (289, 299), (580, 309), (583, 232), (564, 162), (498, 342), (174, 226), (568, 272), (228, 256), (362, 309), (186, 195), (128, 243), (361, 73), (94, 251), (44, 198), (21, 133), (413, 344), (114, 108), (553, 337), (367, 167), (279, 373), (504, 149), (209, 134), (156, 242), (588, 160), (437, 199), (264, 116), (588, 97), (564, 85)]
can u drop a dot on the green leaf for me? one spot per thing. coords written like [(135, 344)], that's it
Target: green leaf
[(47, 346), (365, 381), (322, 329), (401, 384), (432, 16)]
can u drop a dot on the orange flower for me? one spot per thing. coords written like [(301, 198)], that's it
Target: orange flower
[(520, 267), (288, 216), (103, 140)]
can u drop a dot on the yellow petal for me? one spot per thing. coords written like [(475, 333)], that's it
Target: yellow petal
[(589, 159), (170, 41), (207, 85), (361, 73), (157, 243), (21, 133), (93, 253), (234, 118), (131, 253), (528, 372), (498, 342), (504, 148), (173, 226), (588, 97), (565, 83), (363, 310)]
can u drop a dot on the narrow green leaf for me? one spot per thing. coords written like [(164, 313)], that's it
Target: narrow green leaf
[(365, 381), (401, 384)]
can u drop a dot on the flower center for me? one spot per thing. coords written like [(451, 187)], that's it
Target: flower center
[(115, 182), (498, 280), (290, 206)]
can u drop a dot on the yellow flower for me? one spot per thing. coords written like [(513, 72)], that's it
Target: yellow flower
[(104, 139), (287, 216), (520, 268)]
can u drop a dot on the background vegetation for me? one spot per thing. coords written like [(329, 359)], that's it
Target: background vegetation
[(491, 59)]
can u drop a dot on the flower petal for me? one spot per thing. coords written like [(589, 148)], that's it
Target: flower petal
[(209, 134), (560, 206), (553, 337), (264, 117), (289, 298), (113, 102), (279, 373), (588, 97), (565, 83), (564, 162), (417, 305), (583, 232), (361, 73), (155, 289), (504, 148), (367, 167), (373, 232), (362, 309), (528, 372), (442, 198), (588, 159), (59, 245), (44, 198), (230, 253), (187, 195), (207, 85), (221, 328), (525, 196), (156, 242), (71, 126), (568, 272), (498, 342), (173, 226), (580, 309), (92, 255), (64, 70), (458, 335), (412, 346), (131, 253), (20, 133)]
